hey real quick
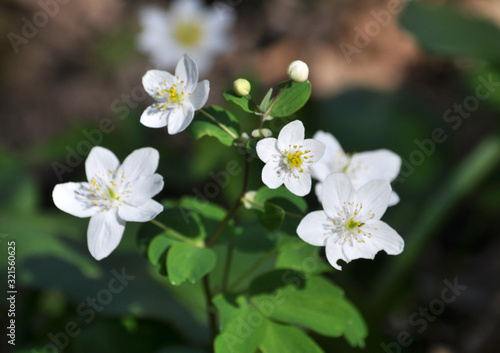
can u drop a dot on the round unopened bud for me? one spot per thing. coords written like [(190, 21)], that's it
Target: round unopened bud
[(262, 133), (298, 71), (242, 87), (249, 199)]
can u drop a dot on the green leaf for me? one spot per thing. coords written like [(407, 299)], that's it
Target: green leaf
[(204, 126), (185, 262), (243, 102), (266, 102), (205, 208), (310, 302), (243, 332), (158, 247), (283, 338), (300, 256), (265, 194), (356, 329), (227, 306), (292, 98), (446, 31), (272, 217), (255, 238)]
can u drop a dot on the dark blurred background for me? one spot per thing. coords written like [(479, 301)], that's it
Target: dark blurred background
[(423, 82)]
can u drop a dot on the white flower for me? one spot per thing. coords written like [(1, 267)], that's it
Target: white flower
[(113, 195), (298, 71), (350, 225), (288, 159), (177, 97), (359, 167), (187, 27)]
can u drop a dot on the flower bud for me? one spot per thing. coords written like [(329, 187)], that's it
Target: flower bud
[(262, 133), (249, 199), (298, 71), (242, 87)]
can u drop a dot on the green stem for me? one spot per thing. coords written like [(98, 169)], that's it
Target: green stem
[(233, 209), (469, 174), (257, 264), (222, 126), (175, 235), (212, 323), (254, 103)]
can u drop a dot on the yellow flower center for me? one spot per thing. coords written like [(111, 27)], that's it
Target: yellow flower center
[(294, 159), (173, 94), (351, 224), (188, 33)]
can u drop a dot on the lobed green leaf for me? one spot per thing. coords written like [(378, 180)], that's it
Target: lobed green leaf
[(186, 262)]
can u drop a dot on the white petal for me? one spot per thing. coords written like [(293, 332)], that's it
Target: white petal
[(180, 118), (140, 163), (100, 160), (334, 252), (155, 117), (187, 71), (394, 200), (145, 188), (273, 175), (291, 134), (318, 190), (384, 237), (66, 199), (199, 96), (317, 150), (300, 186), (331, 143), (375, 197), (104, 233), (143, 213), (313, 228), (337, 189), (267, 149), (321, 169), (373, 165), (151, 81)]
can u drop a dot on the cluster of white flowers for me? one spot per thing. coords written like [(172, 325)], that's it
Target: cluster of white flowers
[(354, 189)]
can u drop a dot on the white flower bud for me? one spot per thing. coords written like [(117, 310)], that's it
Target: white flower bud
[(242, 140), (262, 133), (298, 71), (242, 87), (248, 199)]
